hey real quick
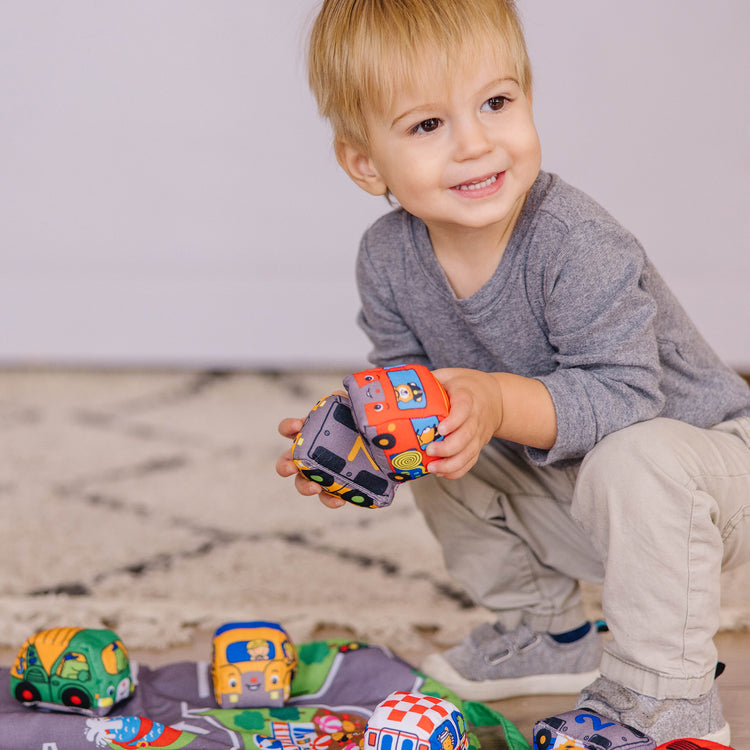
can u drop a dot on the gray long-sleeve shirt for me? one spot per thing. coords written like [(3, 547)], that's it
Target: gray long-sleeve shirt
[(574, 303)]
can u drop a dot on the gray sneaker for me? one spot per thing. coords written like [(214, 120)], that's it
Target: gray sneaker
[(492, 664), (662, 720)]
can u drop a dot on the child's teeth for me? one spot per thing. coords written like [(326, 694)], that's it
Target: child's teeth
[(478, 185)]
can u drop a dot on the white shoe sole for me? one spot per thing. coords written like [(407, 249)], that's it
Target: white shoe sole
[(721, 736), (439, 669)]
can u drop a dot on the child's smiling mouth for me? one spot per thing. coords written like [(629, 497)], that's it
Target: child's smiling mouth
[(481, 187)]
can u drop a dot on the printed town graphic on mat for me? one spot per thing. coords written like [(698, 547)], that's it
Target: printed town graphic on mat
[(337, 686)]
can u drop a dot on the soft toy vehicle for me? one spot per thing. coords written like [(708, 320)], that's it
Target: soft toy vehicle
[(329, 450), (412, 721), (582, 728), (692, 744), (398, 410), (361, 447), (82, 670), (253, 664)]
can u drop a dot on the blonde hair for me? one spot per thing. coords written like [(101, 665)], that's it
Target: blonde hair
[(361, 51)]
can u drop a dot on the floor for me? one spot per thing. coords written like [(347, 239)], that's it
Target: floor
[(178, 468)]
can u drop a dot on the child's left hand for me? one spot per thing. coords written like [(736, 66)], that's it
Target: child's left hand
[(476, 414), (285, 467), (486, 405)]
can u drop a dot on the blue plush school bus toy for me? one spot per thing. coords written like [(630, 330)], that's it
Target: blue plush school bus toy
[(363, 445)]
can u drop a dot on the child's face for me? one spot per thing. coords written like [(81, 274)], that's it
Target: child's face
[(461, 155)]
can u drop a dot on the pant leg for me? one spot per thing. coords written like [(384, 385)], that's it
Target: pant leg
[(508, 538), (666, 504)]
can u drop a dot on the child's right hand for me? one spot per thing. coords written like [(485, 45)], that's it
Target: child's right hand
[(285, 467)]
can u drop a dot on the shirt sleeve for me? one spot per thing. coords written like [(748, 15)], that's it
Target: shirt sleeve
[(394, 342), (600, 321)]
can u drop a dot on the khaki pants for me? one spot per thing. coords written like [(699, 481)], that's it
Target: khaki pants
[(653, 512)]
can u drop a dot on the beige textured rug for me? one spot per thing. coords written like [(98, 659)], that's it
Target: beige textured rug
[(148, 503)]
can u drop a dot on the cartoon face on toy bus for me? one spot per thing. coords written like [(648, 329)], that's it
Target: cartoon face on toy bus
[(402, 407), (83, 670), (412, 721), (253, 664), (329, 450)]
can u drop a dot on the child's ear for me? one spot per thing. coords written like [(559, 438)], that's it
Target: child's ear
[(356, 162)]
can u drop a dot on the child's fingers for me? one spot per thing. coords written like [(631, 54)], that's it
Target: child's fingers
[(456, 453), (289, 427), (460, 412), (454, 443), (451, 422), (453, 467), (331, 501), (285, 467), (305, 487)]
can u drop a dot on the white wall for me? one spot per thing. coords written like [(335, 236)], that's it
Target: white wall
[(168, 195)]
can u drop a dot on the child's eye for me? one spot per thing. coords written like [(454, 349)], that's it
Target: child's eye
[(426, 126), (495, 103)]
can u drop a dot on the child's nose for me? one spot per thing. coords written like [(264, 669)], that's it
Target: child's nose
[(471, 140)]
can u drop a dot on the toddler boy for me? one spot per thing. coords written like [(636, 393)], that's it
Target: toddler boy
[(593, 434)]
